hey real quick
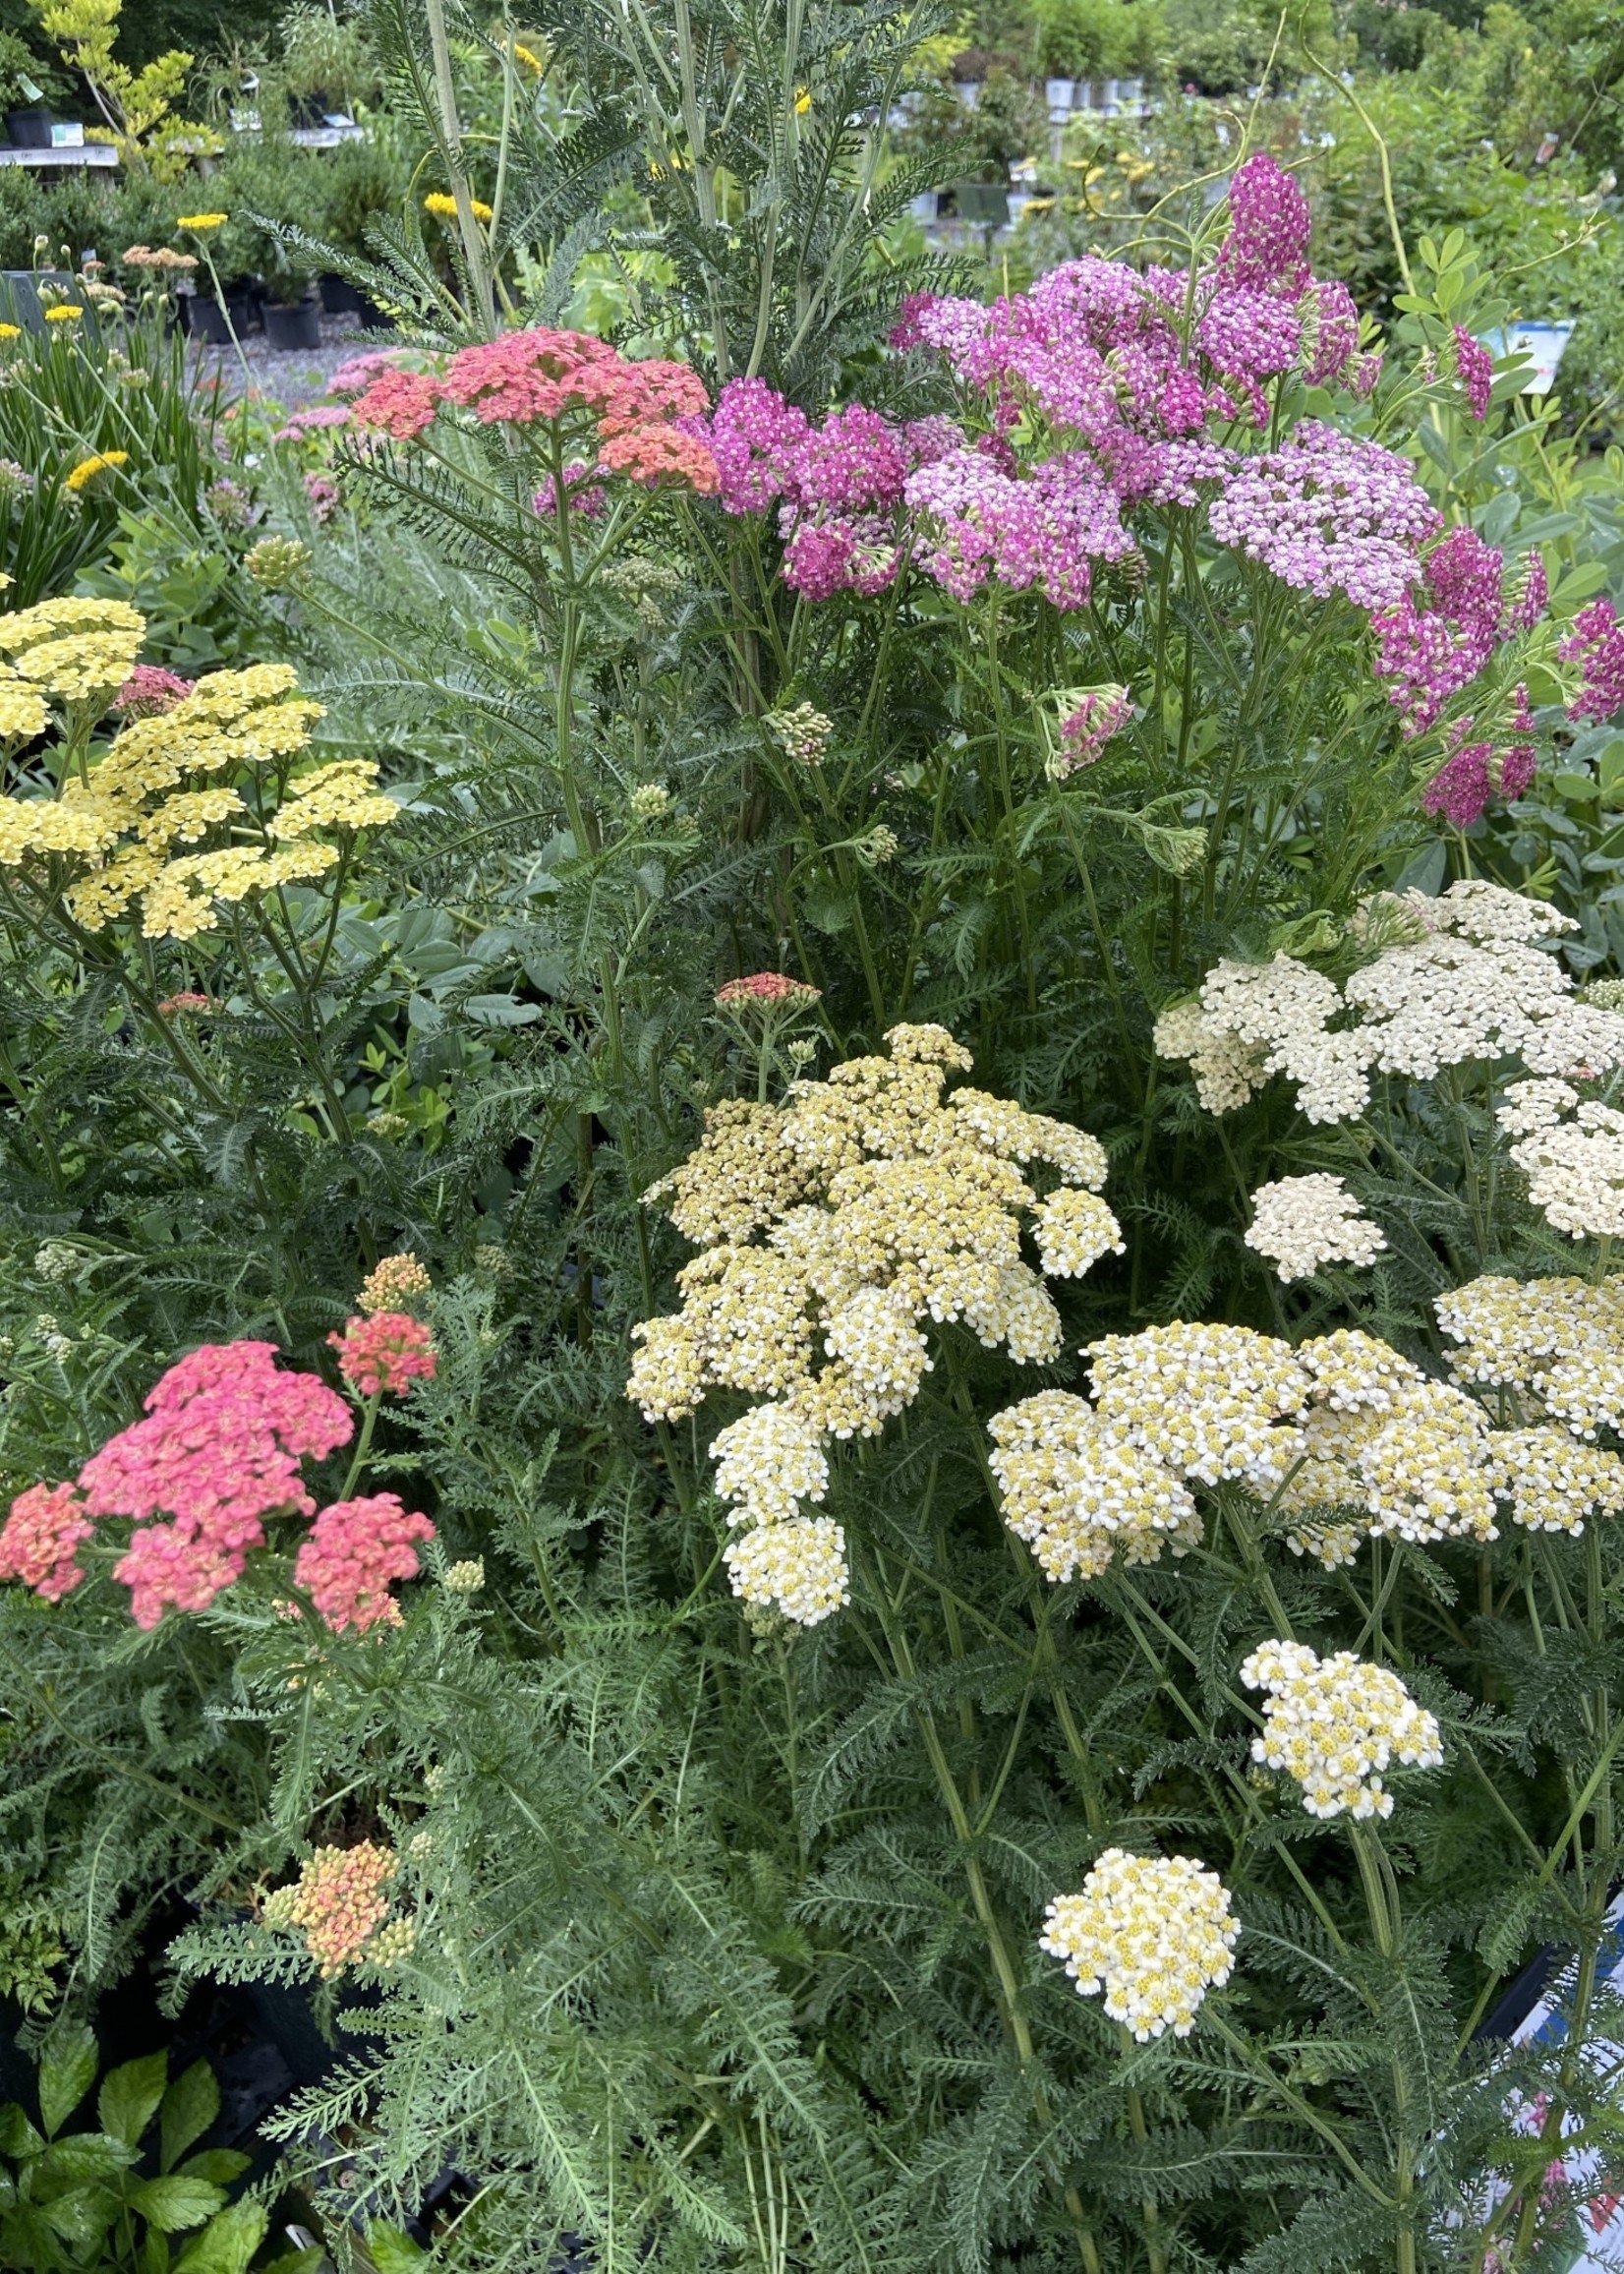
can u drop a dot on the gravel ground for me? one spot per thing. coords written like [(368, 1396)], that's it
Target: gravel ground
[(289, 378)]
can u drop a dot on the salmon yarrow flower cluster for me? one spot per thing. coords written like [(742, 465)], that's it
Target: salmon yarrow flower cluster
[(384, 1353), (1155, 1932), (339, 1905), (194, 806), (1334, 1725), (634, 418), (833, 1230)]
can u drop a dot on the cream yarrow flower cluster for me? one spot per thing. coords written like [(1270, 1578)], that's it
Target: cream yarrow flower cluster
[(833, 1230), (1572, 1153), (1335, 1724), (1302, 1223), (1154, 1931)]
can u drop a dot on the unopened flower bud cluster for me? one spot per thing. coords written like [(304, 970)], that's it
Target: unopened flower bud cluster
[(1155, 1932), (832, 1231), (1335, 1724)]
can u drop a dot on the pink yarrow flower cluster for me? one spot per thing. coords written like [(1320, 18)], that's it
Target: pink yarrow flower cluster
[(1474, 775), (1475, 369), (226, 1430), (1089, 719), (638, 413), (40, 1539), (1433, 641), (149, 690), (765, 990), (220, 1449), (313, 419), (352, 1554), (384, 1354)]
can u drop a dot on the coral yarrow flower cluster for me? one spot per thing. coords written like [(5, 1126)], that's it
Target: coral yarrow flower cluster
[(635, 416), (338, 1904), (832, 1231), (219, 1451)]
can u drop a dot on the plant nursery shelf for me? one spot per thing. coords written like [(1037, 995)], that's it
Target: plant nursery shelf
[(88, 154)]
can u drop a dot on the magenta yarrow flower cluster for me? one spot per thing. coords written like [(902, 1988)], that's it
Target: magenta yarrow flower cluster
[(1597, 645), (1100, 390), (220, 1449)]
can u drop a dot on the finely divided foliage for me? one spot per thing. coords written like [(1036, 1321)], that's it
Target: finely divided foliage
[(813, 1362)]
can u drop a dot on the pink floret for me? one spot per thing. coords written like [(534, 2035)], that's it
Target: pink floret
[(385, 1354), (354, 1551)]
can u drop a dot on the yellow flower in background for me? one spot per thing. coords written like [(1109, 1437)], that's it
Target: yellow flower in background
[(200, 224), (66, 313), (528, 55), (803, 101), (103, 462), (11, 332), (445, 207)]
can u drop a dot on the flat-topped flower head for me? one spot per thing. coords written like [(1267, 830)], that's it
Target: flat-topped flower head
[(337, 1903), (385, 1354), (1082, 1494), (768, 1461), (1303, 1223), (1335, 1724), (762, 991), (798, 1568), (40, 1539), (393, 1284), (1209, 1401), (1552, 1480), (1155, 1932), (352, 1554)]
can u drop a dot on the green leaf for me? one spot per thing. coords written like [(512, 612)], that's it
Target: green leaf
[(17, 2136), (188, 2108), (221, 2165), (298, 2261), (227, 2243), (81, 2216), (129, 2096), (392, 2251), (85, 2156), (1581, 788), (66, 2075), (173, 2204)]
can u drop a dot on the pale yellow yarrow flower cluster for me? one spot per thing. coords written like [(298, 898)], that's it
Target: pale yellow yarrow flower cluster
[(167, 783), (1342, 1436), (1155, 1932), (1334, 1726), (832, 1230)]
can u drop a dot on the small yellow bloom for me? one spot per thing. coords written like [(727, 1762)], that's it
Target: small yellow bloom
[(803, 101), (104, 462), (11, 332), (445, 207), (200, 224), (529, 56), (66, 313)]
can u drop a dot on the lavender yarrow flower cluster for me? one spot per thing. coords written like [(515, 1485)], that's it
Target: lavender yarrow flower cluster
[(1268, 246), (1328, 513), (977, 522)]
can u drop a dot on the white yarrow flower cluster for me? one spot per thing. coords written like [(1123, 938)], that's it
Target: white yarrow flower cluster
[(1335, 1724), (1301, 1223), (1557, 1344), (1572, 1154), (832, 1230), (1079, 1492), (1464, 983), (1154, 1931)]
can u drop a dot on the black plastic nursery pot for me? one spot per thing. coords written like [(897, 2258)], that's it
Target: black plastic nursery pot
[(204, 317), (29, 127), (338, 296), (289, 327)]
